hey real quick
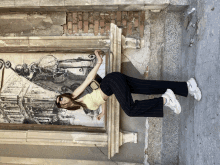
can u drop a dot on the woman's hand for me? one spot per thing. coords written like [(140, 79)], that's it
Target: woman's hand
[(98, 56), (100, 116)]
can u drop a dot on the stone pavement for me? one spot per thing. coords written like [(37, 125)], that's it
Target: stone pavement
[(199, 140)]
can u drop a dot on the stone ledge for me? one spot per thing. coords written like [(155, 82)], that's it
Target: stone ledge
[(38, 3), (87, 4), (47, 161), (54, 43)]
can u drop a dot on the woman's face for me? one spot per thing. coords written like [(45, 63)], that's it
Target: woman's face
[(63, 100)]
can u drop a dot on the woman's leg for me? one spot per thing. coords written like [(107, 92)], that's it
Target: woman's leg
[(150, 87), (117, 83)]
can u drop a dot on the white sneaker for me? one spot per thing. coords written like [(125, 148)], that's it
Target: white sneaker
[(172, 102), (193, 89)]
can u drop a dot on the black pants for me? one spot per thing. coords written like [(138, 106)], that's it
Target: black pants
[(122, 86)]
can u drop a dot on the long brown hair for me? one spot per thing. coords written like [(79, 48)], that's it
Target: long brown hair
[(76, 106)]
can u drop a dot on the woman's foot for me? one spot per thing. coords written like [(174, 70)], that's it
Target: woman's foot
[(193, 89), (171, 101)]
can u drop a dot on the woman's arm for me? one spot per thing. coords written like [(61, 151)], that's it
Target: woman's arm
[(89, 78), (93, 72), (102, 113)]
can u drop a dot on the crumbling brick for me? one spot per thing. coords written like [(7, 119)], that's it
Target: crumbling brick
[(74, 14), (91, 28), (130, 16), (85, 27), (129, 29), (65, 29), (107, 17), (99, 22), (85, 16), (107, 27), (91, 18), (113, 21), (96, 29), (102, 30), (96, 16), (136, 22), (80, 25), (113, 15), (70, 27), (75, 29), (102, 23), (118, 18), (142, 20), (124, 31), (124, 22), (79, 14), (136, 14), (69, 17), (142, 16), (102, 15), (124, 15)]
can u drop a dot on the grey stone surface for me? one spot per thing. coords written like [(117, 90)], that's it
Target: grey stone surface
[(32, 24), (199, 131), (171, 69), (157, 22)]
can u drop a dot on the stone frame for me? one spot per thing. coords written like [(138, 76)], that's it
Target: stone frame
[(111, 136)]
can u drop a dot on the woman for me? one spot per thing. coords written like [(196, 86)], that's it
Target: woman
[(122, 86)]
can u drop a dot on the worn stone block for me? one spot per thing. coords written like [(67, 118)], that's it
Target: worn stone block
[(156, 2), (51, 2), (54, 30), (77, 2), (13, 16), (58, 18), (131, 7), (33, 3), (7, 3)]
